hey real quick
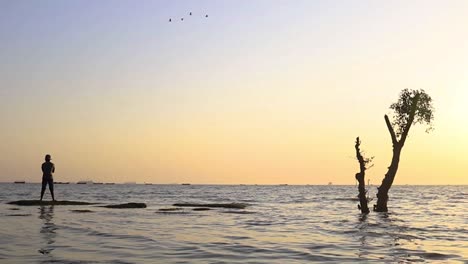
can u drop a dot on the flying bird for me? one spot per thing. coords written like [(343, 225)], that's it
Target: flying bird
[(190, 14)]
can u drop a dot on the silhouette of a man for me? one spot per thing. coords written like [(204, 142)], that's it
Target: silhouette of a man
[(48, 168)]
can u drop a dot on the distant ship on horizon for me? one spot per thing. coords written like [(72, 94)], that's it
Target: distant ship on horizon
[(19, 182), (129, 183), (84, 182)]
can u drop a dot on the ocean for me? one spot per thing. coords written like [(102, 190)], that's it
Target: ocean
[(281, 224)]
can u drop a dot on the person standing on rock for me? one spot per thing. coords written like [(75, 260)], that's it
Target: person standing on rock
[(48, 168)]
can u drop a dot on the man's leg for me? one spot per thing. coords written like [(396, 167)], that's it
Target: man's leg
[(44, 183), (51, 188)]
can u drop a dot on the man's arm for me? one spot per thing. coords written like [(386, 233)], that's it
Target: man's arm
[(53, 168), (42, 167)]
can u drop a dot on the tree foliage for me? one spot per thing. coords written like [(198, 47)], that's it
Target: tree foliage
[(424, 110)]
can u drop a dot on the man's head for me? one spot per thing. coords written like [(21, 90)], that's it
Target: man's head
[(47, 157)]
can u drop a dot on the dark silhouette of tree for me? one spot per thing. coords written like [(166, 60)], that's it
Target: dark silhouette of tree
[(413, 107), (364, 164)]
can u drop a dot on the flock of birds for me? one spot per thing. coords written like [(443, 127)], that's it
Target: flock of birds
[(182, 19)]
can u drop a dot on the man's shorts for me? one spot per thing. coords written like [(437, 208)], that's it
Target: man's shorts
[(47, 180)]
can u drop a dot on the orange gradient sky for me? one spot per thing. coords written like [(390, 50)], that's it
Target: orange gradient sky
[(260, 92)]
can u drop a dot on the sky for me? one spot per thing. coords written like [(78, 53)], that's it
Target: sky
[(258, 92)]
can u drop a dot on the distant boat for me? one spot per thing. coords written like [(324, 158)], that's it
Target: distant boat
[(109, 183), (84, 182), (20, 182), (98, 183), (284, 184), (148, 183), (185, 183), (61, 182), (330, 183)]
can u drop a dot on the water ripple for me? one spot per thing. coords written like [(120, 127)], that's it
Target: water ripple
[(283, 224)]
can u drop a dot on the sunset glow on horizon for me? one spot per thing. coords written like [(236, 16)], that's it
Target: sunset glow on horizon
[(258, 92)]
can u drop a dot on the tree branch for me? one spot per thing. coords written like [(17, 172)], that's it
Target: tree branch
[(414, 107), (390, 129), (360, 158)]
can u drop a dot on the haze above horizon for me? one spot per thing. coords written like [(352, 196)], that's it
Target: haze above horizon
[(258, 92)]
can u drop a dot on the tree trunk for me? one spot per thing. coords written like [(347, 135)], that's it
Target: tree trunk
[(382, 194), (360, 177)]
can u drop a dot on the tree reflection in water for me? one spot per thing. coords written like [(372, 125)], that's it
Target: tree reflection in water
[(362, 231)]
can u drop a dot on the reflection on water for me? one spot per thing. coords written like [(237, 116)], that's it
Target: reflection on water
[(46, 214), (285, 224), (362, 227)]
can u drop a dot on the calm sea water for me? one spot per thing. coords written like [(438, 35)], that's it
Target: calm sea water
[(283, 224)]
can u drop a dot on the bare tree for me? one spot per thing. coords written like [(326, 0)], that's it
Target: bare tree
[(412, 107), (364, 164)]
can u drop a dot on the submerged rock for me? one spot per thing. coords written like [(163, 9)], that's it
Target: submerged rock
[(38, 202), (201, 209), (172, 212), (169, 209), (220, 205), (18, 214), (44, 251), (126, 205), (82, 211), (350, 199), (238, 212)]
